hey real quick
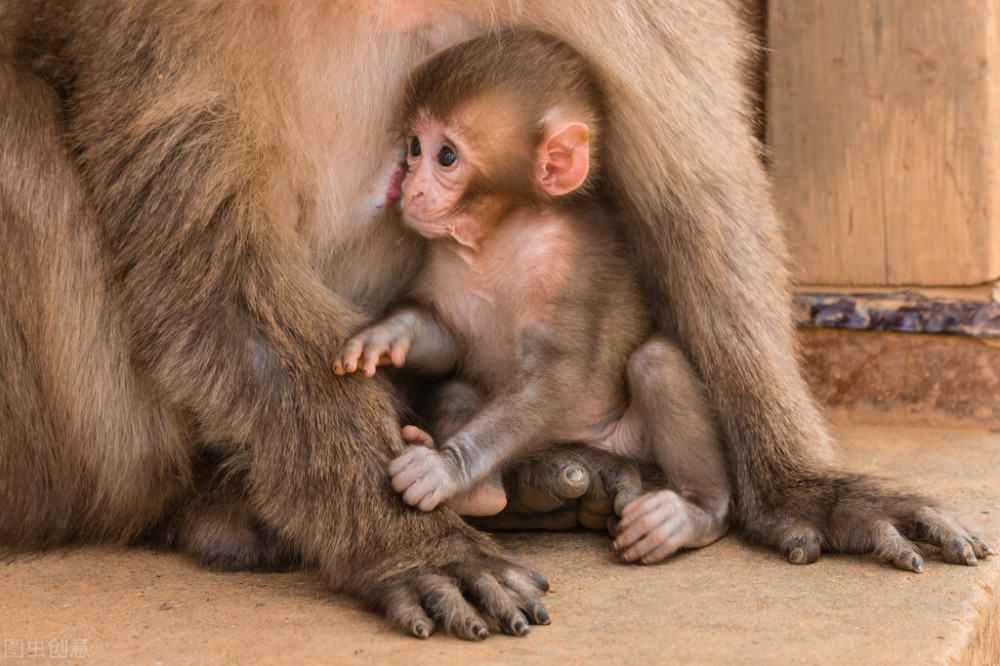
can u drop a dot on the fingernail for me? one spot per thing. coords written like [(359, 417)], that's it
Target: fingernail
[(540, 581)]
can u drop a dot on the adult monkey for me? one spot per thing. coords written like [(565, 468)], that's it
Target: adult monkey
[(184, 192)]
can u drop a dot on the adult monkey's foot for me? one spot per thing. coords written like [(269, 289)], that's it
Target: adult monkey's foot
[(853, 513), (465, 586)]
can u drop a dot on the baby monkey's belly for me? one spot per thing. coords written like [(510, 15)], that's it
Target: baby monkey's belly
[(618, 431)]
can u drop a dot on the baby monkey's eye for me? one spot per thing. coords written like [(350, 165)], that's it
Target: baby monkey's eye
[(447, 156), (415, 147)]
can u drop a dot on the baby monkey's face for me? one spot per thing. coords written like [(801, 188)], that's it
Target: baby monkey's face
[(437, 175), (468, 173), (444, 192)]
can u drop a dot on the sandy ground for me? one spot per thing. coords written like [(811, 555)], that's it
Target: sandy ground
[(729, 603)]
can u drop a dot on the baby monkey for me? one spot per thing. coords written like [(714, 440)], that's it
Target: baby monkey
[(529, 294)]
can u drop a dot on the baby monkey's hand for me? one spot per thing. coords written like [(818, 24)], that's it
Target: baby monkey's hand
[(382, 344), (423, 477)]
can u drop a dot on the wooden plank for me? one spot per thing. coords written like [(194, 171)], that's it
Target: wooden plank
[(883, 122), (940, 136), (820, 121)]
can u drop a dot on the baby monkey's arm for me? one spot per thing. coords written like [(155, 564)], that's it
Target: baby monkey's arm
[(520, 414)]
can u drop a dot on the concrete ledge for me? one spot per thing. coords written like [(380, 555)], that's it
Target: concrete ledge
[(729, 603), (904, 378)]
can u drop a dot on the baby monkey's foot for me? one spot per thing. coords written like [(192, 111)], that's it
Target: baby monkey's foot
[(658, 524)]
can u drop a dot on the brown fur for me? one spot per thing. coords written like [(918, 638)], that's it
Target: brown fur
[(174, 178)]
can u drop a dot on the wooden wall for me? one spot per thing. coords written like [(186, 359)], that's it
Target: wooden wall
[(883, 120)]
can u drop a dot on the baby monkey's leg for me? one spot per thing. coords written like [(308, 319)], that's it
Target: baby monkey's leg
[(679, 431)]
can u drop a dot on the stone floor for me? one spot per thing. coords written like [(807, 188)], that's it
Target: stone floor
[(729, 603)]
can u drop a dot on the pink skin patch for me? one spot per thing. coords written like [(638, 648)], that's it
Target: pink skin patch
[(395, 190)]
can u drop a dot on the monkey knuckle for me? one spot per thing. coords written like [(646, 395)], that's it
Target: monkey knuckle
[(434, 478), (632, 537), (416, 457), (661, 553), (668, 497), (514, 579), (647, 523), (432, 500), (637, 507), (414, 494), (426, 457), (630, 516), (658, 537), (442, 474), (408, 456)]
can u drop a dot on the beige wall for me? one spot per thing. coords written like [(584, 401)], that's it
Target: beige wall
[(883, 119)]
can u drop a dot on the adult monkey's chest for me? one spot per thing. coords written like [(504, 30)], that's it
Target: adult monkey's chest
[(356, 180)]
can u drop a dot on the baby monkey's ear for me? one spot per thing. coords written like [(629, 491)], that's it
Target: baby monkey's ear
[(564, 158)]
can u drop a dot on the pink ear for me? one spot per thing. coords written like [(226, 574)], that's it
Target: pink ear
[(565, 158)]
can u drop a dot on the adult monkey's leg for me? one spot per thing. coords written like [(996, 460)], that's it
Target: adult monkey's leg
[(684, 162), (72, 469), (87, 451)]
